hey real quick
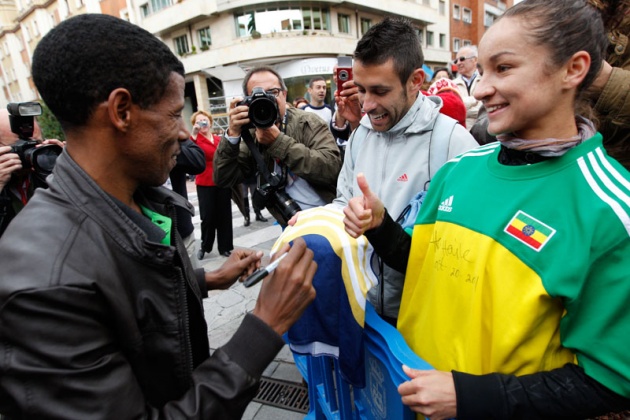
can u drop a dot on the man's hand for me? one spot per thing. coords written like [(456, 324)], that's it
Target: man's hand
[(238, 116), (348, 106), (363, 213), (430, 393), (52, 141), (9, 163), (289, 289), (268, 135), (240, 264)]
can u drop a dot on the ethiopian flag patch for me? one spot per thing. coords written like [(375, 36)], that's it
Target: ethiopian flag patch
[(530, 231)]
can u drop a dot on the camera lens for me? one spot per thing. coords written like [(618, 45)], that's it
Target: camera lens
[(343, 75), (285, 205), (263, 112), (43, 158)]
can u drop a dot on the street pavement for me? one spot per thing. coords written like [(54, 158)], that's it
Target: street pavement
[(225, 309)]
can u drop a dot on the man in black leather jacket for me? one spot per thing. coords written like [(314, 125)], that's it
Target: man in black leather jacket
[(101, 312)]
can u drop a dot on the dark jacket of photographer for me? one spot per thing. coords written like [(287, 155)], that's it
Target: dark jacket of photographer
[(306, 146), (103, 321), (11, 204)]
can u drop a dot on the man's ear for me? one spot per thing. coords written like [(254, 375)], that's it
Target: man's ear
[(119, 106), (577, 68), (416, 79)]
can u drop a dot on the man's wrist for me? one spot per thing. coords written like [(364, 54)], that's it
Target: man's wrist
[(337, 122), (232, 139), (213, 278)]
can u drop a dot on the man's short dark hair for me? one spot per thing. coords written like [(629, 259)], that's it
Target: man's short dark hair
[(83, 59), (259, 69), (394, 38), (315, 79)]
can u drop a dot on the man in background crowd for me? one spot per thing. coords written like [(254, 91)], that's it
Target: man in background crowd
[(466, 80), (17, 184), (317, 93)]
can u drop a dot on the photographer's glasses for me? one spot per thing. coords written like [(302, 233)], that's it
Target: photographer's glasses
[(462, 59), (274, 91)]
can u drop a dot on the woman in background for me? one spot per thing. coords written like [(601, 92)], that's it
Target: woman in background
[(215, 208)]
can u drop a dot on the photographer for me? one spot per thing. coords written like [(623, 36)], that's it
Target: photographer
[(298, 146), (18, 183)]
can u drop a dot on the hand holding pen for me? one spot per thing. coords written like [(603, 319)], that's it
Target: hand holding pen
[(263, 272), (288, 288)]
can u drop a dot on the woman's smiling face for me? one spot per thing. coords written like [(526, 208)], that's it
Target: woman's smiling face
[(520, 89)]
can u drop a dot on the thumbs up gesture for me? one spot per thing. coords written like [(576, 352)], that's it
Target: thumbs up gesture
[(365, 212)]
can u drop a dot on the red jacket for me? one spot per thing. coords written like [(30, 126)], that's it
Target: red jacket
[(205, 178)]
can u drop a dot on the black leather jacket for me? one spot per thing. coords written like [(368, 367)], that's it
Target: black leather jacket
[(99, 321)]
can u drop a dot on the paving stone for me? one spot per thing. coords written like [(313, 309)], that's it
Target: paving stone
[(229, 298)]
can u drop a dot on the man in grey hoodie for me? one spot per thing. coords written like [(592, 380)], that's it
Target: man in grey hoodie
[(392, 145)]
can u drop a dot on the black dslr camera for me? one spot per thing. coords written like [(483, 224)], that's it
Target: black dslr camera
[(263, 108), (272, 195), (40, 159)]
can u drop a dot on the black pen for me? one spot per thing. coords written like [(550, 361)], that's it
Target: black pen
[(261, 274)]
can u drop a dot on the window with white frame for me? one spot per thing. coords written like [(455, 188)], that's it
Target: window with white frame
[(467, 43), (181, 45), (456, 44), (205, 38), (442, 40), (456, 12), (429, 38), (154, 6), (442, 7), (157, 5), (467, 15), (343, 23)]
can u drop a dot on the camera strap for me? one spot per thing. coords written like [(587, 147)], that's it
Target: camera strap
[(271, 178), (260, 163)]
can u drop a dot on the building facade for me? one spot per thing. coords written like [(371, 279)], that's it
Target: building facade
[(471, 18), (219, 40)]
